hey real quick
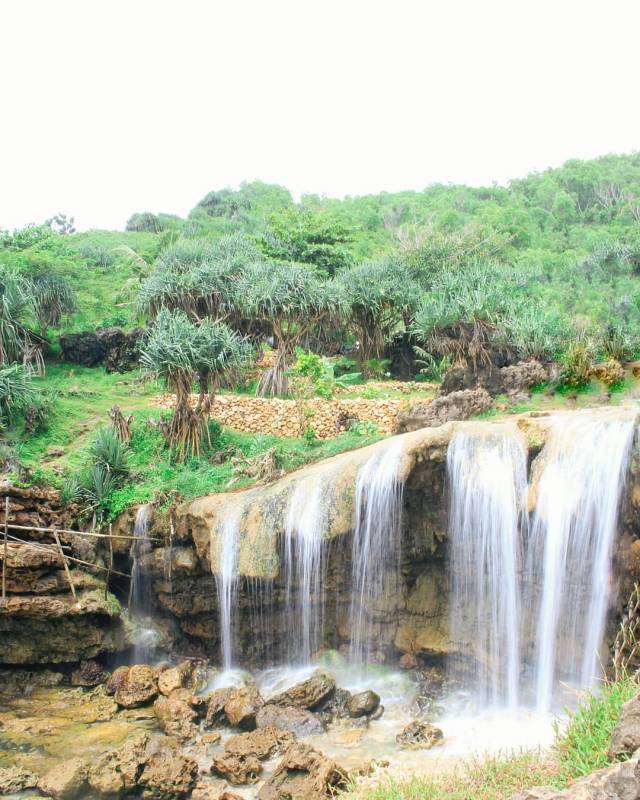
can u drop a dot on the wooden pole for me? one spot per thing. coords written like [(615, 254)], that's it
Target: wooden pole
[(4, 556), (77, 533), (66, 566)]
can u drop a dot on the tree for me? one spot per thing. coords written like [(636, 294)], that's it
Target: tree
[(16, 307), (180, 352), (61, 223), (460, 315), (53, 296), (198, 276), (300, 235), (378, 298), (290, 299)]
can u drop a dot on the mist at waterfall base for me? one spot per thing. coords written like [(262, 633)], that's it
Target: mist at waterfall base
[(529, 594)]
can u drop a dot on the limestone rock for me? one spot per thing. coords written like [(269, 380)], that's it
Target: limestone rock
[(174, 678), (307, 694), (618, 782), (261, 743), (116, 679), (89, 673), (305, 773), (625, 738), (419, 735), (167, 773), (363, 704), (15, 779), (138, 688), (215, 706), (242, 706), (65, 781), (213, 790), (176, 717), (610, 372), (455, 406), (287, 718), (116, 772), (236, 769)]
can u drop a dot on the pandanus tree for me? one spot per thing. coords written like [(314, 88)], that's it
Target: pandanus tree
[(464, 311), (198, 276), (289, 299), (379, 298), (17, 307), (53, 297), (181, 352)]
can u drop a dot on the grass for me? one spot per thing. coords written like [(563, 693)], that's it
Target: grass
[(580, 747), (83, 397)]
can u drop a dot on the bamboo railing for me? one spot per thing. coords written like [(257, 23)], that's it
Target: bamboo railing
[(65, 558)]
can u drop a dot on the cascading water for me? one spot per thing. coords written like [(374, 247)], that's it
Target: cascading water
[(577, 500), (140, 590), (487, 474), (376, 542), (303, 560), (227, 580)]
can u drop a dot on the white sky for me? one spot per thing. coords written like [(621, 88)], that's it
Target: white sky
[(113, 106)]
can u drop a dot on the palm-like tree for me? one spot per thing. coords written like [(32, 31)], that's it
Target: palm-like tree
[(182, 352)]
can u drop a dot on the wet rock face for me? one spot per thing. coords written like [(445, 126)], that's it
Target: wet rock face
[(176, 717), (363, 704), (89, 673), (236, 769), (303, 773), (242, 706), (308, 694)]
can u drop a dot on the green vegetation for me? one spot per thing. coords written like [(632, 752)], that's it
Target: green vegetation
[(547, 267), (581, 746)]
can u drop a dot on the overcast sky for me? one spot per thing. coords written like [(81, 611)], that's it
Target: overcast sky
[(115, 106)]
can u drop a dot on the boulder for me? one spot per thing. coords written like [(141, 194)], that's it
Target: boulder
[(363, 704), (610, 372), (174, 678), (336, 706), (65, 781), (167, 774), (261, 743), (116, 679), (618, 782), (116, 772), (83, 348), (215, 706), (419, 735), (497, 376), (213, 790), (625, 738), (287, 718), (176, 717), (89, 673), (305, 773), (455, 406), (15, 779), (308, 694), (236, 769), (242, 706), (138, 688)]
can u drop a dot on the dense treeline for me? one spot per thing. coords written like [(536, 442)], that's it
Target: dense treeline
[(546, 267)]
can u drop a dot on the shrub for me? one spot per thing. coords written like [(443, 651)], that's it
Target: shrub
[(576, 363)]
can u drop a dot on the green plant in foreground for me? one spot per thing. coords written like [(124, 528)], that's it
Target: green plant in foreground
[(582, 745)]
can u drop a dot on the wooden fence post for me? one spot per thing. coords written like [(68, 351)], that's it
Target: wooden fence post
[(5, 553), (66, 566)]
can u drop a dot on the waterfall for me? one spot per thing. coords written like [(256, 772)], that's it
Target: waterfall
[(376, 542), (140, 587), (227, 580), (575, 521), (303, 562), (487, 475)]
